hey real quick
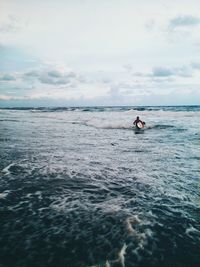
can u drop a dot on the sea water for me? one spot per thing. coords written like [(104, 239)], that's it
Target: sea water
[(79, 187)]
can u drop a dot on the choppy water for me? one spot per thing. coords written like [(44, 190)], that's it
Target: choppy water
[(80, 188)]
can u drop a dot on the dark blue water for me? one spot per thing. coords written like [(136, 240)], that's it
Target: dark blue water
[(79, 187)]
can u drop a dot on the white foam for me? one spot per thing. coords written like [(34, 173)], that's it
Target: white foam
[(122, 255), (4, 194), (107, 264), (6, 169), (112, 205), (140, 237), (191, 230), (102, 124), (130, 221)]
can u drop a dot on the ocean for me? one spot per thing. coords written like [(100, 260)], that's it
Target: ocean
[(79, 187)]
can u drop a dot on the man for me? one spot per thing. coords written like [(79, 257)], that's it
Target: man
[(138, 122)]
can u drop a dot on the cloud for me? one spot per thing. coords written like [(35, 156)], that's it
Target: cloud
[(7, 97), (7, 77), (150, 25), (167, 72), (197, 46), (196, 66), (52, 83), (39, 85), (184, 21), (182, 29), (128, 67), (52, 76), (11, 25), (162, 72), (183, 71)]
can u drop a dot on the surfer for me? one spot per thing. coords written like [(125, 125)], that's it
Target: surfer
[(137, 122)]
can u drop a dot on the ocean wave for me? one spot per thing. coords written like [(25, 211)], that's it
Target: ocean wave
[(10, 120), (107, 125), (109, 108), (160, 126), (103, 124)]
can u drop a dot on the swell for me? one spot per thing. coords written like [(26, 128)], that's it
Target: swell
[(107, 108)]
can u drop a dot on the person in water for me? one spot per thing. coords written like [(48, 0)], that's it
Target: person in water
[(138, 120)]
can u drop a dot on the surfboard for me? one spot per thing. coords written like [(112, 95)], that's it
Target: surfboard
[(140, 125)]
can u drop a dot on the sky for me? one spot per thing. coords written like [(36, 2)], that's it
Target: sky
[(99, 52)]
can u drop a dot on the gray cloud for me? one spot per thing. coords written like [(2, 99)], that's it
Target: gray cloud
[(162, 72), (53, 76), (31, 74), (53, 81), (165, 72), (7, 77), (196, 66), (182, 71), (184, 21)]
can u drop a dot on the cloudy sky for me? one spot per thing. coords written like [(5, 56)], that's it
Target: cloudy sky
[(99, 52)]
